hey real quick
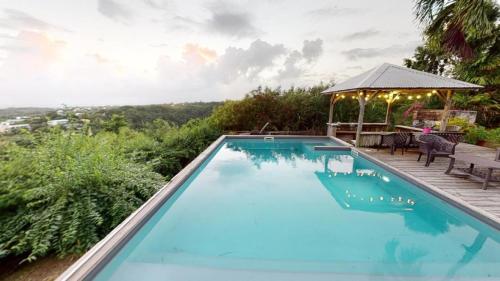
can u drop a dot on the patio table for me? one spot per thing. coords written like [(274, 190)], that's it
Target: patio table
[(475, 160)]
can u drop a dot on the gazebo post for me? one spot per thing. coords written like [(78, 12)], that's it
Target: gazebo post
[(390, 100), (388, 112), (446, 110), (333, 101), (330, 117), (362, 101)]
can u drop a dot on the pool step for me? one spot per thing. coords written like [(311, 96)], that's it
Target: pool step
[(269, 139), (331, 148)]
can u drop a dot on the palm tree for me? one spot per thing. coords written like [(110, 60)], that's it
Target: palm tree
[(455, 24)]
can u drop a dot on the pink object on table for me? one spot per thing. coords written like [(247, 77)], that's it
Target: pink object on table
[(426, 130)]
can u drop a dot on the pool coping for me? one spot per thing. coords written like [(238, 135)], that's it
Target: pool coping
[(87, 266)]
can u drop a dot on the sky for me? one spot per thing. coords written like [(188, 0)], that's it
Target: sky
[(117, 52)]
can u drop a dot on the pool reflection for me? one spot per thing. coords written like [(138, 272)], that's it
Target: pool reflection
[(361, 186)]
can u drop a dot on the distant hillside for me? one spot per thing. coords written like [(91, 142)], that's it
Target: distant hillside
[(11, 112), (180, 113)]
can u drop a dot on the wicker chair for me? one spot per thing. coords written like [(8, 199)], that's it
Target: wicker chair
[(395, 140), (434, 146), (454, 137)]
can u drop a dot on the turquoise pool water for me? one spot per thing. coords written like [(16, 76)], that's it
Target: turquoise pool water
[(280, 210)]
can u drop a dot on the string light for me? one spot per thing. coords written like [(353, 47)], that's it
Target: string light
[(343, 96), (418, 97), (397, 97), (410, 97), (434, 91), (429, 94)]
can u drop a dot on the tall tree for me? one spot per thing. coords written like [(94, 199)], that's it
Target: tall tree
[(456, 24)]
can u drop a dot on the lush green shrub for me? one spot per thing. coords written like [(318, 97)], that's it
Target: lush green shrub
[(181, 145), (460, 122), (475, 134), (67, 192), (295, 109), (493, 137)]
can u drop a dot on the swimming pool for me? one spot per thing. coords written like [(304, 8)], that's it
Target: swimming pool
[(280, 210)]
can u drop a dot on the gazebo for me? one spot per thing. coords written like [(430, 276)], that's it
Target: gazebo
[(392, 82)]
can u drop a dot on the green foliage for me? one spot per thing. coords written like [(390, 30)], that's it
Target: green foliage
[(140, 116), (479, 133), (294, 109), (462, 40), (460, 122), (429, 60), (67, 192), (115, 123), (62, 190), (181, 145), (493, 137), (486, 104), (457, 25), (476, 134)]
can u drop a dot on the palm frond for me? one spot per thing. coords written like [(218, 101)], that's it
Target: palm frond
[(425, 10)]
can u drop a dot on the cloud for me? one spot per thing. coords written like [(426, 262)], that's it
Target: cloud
[(331, 11), (224, 18), (31, 50), (247, 62), (49, 77), (230, 21), (114, 11), (159, 45), (361, 35), (195, 54), (18, 20), (157, 4), (100, 58), (291, 68), (312, 49), (297, 63), (182, 23), (260, 62), (394, 50)]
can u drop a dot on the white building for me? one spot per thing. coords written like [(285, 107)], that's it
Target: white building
[(58, 122), (13, 124)]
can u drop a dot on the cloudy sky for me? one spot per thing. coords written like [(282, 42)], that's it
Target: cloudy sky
[(101, 52)]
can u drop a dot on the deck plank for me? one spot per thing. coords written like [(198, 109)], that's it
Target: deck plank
[(464, 187)]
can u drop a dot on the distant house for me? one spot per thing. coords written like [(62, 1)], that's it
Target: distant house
[(58, 122), (11, 125)]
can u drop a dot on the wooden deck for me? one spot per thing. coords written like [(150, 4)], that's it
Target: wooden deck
[(466, 188)]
